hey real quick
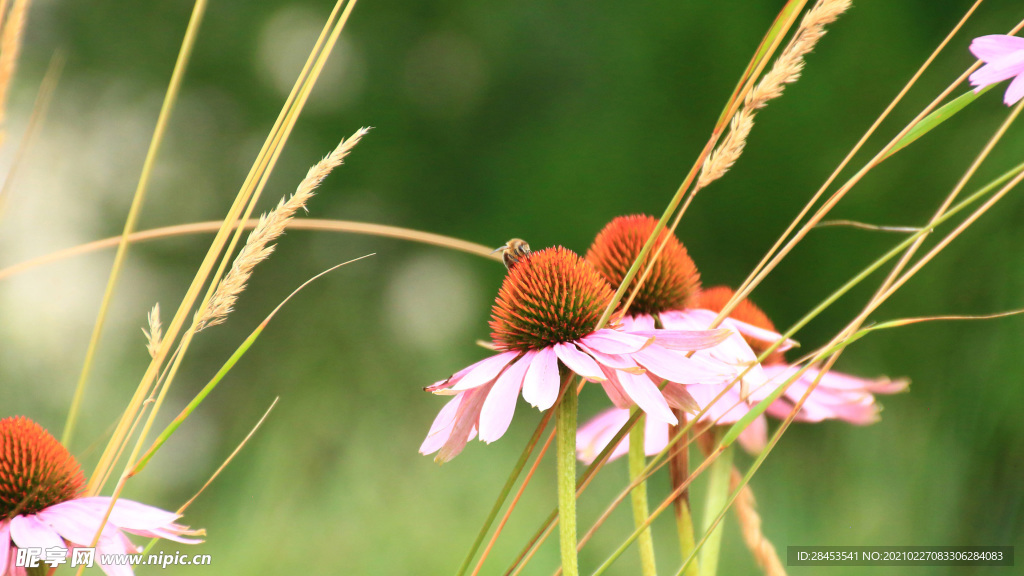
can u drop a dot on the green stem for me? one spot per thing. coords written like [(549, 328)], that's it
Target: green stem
[(567, 480), (638, 496), (718, 494)]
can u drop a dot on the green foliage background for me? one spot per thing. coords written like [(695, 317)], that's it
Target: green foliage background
[(540, 120)]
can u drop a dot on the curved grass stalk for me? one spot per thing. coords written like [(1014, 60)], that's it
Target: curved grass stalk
[(322, 225), (170, 98)]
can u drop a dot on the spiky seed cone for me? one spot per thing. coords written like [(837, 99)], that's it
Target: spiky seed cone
[(36, 471), (674, 281), (549, 296), (716, 298)]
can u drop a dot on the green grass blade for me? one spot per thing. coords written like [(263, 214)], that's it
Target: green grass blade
[(932, 120)]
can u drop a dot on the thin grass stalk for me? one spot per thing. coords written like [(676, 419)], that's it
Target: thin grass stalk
[(960, 185), (786, 70), (224, 370), (515, 500), (774, 36), (35, 120), (1014, 177), (188, 301), (762, 270), (163, 119), (186, 305), (638, 496), (507, 488)]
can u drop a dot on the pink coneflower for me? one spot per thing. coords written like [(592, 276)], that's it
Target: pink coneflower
[(40, 503), (1004, 58), (546, 315), (670, 296), (837, 396)]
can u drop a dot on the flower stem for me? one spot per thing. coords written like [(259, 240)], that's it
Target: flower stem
[(679, 471), (638, 496), (567, 480), (718, 494)]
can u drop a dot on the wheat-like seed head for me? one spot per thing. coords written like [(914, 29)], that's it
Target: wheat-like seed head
[(785, 70), (258, 246), (750, 526), (155, 334)]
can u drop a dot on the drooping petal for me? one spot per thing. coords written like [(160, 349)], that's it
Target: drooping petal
[(614, 390), (441, 429), (485, 371), (679, 398), (647, 396), (993, 46), (440, 386), (500, 404), (615, 342), (540, 388), (579, 362), (30, 532), (464, 428)]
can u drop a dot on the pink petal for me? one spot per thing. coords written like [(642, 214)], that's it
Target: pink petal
[(687, 340), (440, 385), (615, 342), (637, 322), (540, 388), (578, 362), (5, 545), (441, 429), (30, 532), (465, 423), (647, 396), (1015, 91), (595, 434), (993, 46), (78, 521), (484, 371), (500, 404), (131, 514), (122, 546)]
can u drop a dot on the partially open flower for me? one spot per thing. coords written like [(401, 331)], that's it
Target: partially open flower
[(1004, 59), (41, 505), (546, 315)]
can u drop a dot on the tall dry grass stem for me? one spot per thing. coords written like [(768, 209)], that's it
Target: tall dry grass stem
[(11, 35)]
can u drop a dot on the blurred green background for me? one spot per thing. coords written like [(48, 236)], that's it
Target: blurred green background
[(541, 120)]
